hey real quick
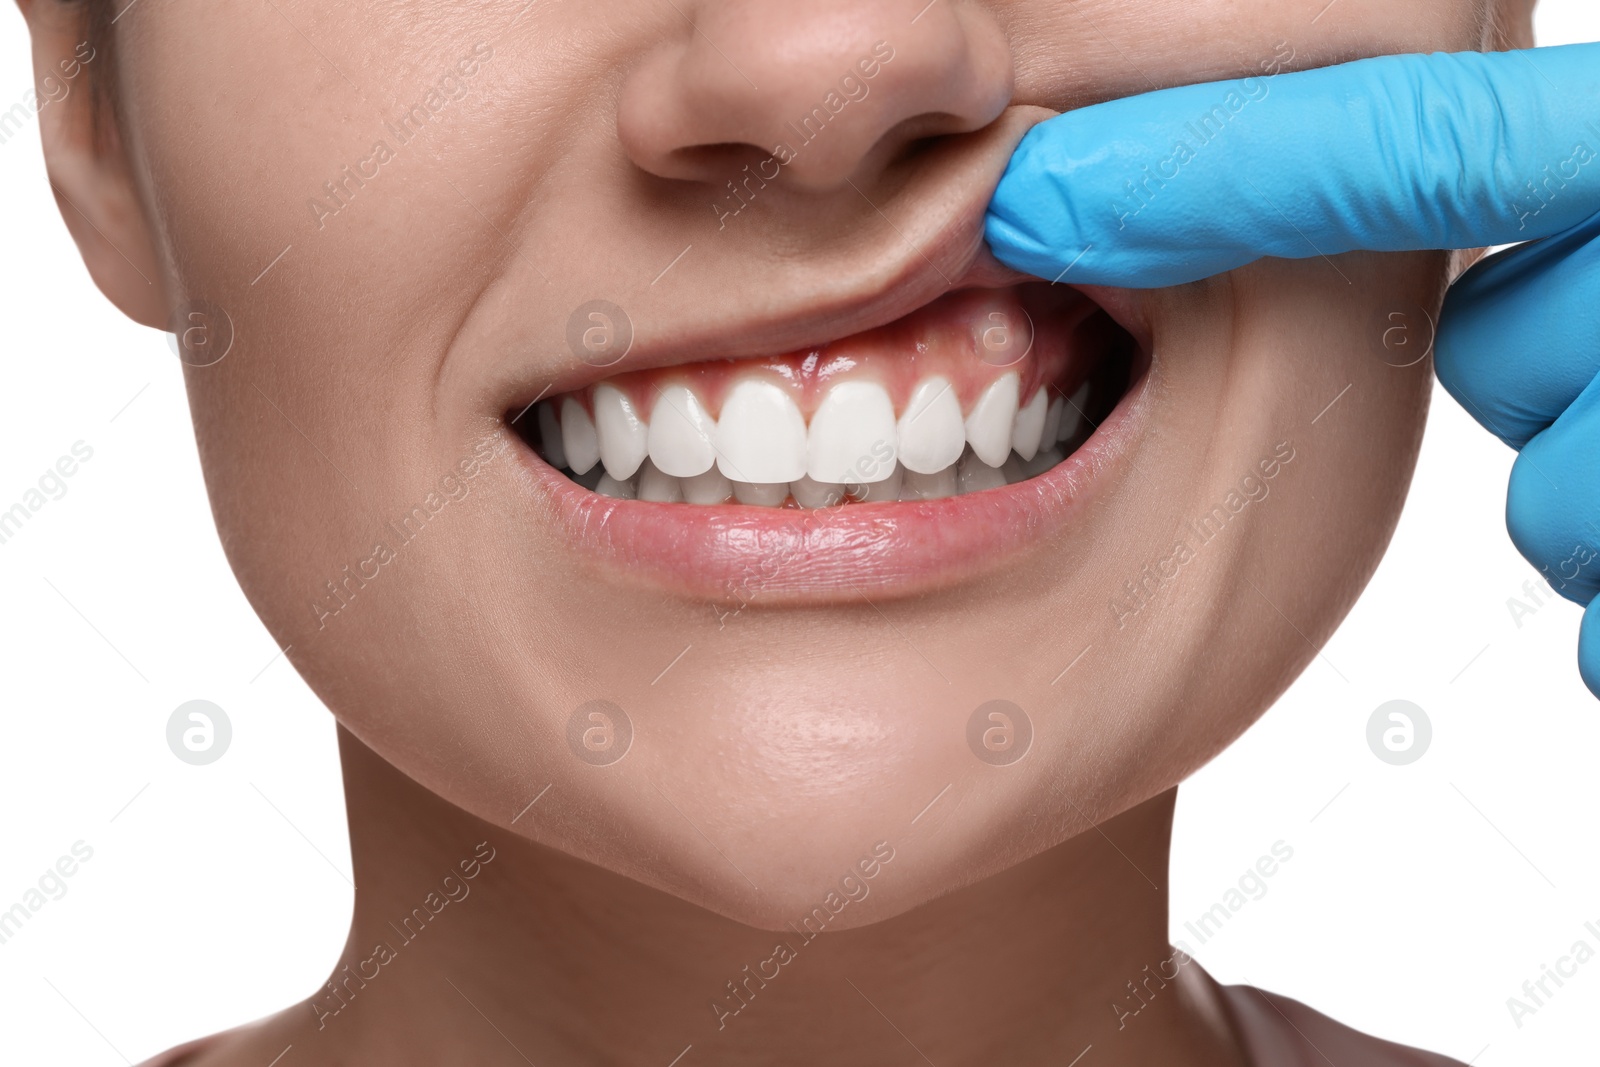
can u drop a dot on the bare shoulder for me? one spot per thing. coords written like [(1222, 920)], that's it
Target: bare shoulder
[(264, 1043), (1282, 1031)]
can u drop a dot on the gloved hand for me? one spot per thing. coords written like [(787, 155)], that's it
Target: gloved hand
[(1389, 154)]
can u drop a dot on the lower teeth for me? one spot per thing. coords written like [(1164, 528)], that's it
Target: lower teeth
[(969, 475)]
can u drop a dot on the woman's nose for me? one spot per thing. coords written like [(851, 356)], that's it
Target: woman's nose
[(829, 89)]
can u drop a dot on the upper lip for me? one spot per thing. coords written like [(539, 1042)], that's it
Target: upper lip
[(936, 218)]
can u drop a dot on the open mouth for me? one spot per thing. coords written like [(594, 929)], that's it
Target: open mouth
[(981, 389), (889, 462)]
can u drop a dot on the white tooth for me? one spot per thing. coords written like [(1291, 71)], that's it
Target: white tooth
[(931, 434), (1029, 429), (761, 435), (884, 489), (852, 435), (809, 493), (974, 475), (763, 494), (708, 488), (990, 422), (1052, 422), (622, 489), (624, 436), (550, 435), (578, 439), (681, 433), (935, 486), (1015, 468), (1044, 461), (1072, 418), (658, 486)]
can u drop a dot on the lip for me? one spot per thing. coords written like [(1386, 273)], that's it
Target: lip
[(856, 551), (852, 552), (831, 316), (934, 245)]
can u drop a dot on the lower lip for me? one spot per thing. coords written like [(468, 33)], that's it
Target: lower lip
[(848, 552)]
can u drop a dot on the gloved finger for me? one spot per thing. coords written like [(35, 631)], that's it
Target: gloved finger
[(1589, 647), (1394, 153), (1553, 502), (1519, 339)]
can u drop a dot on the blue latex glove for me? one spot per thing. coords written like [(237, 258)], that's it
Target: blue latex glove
[(1389, 154)]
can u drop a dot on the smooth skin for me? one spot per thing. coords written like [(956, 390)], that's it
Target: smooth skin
[(782, 746)]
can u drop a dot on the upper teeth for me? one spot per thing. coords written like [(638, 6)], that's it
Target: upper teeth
[(761, 436), (682, 433), (624, 436), (761, 441), (930, 434), (992, 421)]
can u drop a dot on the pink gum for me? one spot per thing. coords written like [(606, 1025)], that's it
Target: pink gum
[(1062, 336)]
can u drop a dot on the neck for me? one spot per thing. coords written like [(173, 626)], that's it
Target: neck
[(525, 954)]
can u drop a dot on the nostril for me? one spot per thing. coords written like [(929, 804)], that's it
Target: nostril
[(919, 129), (834, 90), (713, 163)]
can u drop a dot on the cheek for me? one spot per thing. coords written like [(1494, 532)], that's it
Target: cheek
[(1119, 49), (1285, 363)]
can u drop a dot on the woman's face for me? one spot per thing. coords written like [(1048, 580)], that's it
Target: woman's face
[(408, 211)]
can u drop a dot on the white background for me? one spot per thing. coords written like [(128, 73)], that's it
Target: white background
[(1418, 898)]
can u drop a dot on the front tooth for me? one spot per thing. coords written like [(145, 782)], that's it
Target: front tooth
[(681, 433), (852, 436), (550, 435), (1072, 417), (974, 475), (708, 488), (931, 434), (762, 494), (1052, 423), (578, 438), (620, 488), (809, 493), (658, 486), (990, 423), (884, 489), (1015, 468), (1025, 436), (761, 436), (624, 437), (935, 486)]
